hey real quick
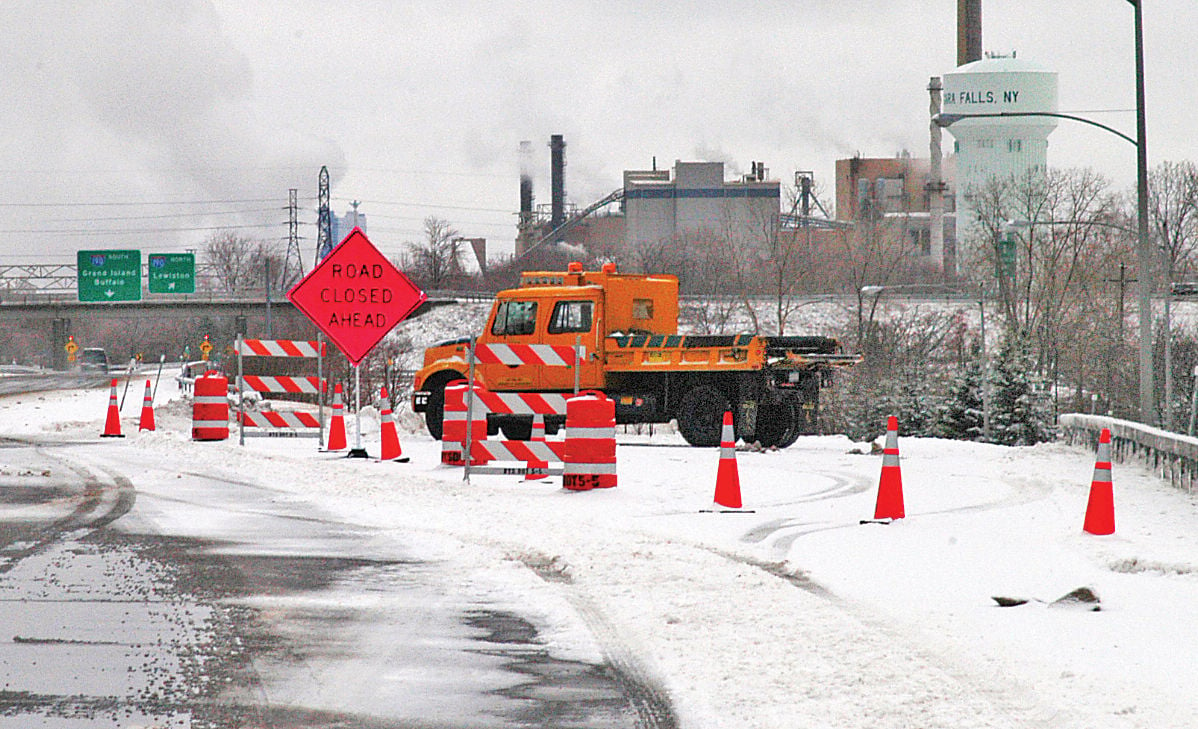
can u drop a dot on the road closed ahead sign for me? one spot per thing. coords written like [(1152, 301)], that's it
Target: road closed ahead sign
[(355, 296)]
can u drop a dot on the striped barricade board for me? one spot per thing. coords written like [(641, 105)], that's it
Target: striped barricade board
[(518, 451), (280, 424), (523, 403), (546, 355), (282, 383), (279, 348)]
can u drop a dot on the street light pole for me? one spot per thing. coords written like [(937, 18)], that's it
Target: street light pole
[(1143, 250), (1144, 253)]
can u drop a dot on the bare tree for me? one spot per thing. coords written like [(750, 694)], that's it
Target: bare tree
[(436, 262), (708, 282), (1173, 213), (239, 264), (875, 251), (784, 262), (1067, 253)]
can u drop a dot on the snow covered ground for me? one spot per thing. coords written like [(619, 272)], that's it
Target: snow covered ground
[(796, 614)]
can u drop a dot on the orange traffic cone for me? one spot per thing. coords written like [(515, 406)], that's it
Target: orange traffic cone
[(890, 486), (147, 410), (112, 424), (391, 449), (337, 423), (1100, 511), (727, 478), (538, 435)]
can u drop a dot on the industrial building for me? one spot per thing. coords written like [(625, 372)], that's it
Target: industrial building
[(694, 197), (655, 205), (897, 189)]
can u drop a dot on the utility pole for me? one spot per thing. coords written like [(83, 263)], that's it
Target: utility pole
[(293, 262), (324, 222)]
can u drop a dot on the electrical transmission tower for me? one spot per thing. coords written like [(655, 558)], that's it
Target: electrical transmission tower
[(293, 264), (324, 224)]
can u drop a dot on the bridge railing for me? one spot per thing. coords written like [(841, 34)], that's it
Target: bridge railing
[(1172, 455)]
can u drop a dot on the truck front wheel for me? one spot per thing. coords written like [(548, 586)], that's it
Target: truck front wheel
[(434, 414), (701, 416)]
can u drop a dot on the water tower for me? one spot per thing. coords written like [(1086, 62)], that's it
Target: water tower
[(998, 146)]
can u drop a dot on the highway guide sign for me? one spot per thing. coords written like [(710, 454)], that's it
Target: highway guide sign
[(108, 275), (355, 296), (171, 273)]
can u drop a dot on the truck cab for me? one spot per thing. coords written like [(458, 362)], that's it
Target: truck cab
[(556, 308)]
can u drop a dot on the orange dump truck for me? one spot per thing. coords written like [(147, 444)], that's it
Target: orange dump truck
[(627, 325)]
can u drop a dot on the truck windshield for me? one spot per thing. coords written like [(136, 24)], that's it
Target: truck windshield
[(515, 317)]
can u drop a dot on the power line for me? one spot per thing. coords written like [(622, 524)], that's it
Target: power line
[(430, 205), (200, 213), (112, 231), (139, 203), (444, 173), (473, 223)]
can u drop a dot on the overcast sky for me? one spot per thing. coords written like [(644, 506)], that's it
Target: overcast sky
[(211, 109)]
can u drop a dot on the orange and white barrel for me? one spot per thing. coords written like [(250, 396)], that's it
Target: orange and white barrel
[(210, 407), (590, 454), (453, 425)]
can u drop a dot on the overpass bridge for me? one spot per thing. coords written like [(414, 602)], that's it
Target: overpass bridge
[(34, 329)]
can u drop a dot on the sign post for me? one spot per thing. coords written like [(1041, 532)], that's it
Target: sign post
[(108, 275), (355, 296)]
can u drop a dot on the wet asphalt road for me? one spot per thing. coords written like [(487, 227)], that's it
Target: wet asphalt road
[(206, 603)]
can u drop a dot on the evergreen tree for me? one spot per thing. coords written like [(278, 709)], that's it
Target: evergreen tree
[(1019, 410), (962, 413)]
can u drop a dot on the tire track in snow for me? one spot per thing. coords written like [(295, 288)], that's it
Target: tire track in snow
[(651, 703), (1005, 704)]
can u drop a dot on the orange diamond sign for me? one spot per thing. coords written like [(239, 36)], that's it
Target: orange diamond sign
[(355, 296)]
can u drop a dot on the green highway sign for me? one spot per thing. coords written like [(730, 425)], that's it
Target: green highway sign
[(1007, 257), (109, 275), (171, 273)]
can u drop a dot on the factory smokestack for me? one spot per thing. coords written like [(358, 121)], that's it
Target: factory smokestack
[(525, 183), (557, 162), (969, 31)]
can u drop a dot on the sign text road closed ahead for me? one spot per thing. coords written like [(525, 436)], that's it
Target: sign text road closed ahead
[(355, 296)]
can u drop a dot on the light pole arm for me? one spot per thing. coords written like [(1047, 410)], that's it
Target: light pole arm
[(947, 120)]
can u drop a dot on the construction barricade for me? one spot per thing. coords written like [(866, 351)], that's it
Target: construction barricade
[(590, 454), (465, 409), (210, 407), (587, 455), (280, 423), (455, 418), (464, 427)]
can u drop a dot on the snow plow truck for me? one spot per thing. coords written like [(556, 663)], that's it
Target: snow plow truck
[(624, 328)]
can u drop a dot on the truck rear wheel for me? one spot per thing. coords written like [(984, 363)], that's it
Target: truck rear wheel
[(701, 416), (778, 423)]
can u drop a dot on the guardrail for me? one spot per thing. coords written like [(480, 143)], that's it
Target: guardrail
[(188, 374), (1172, 455)]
